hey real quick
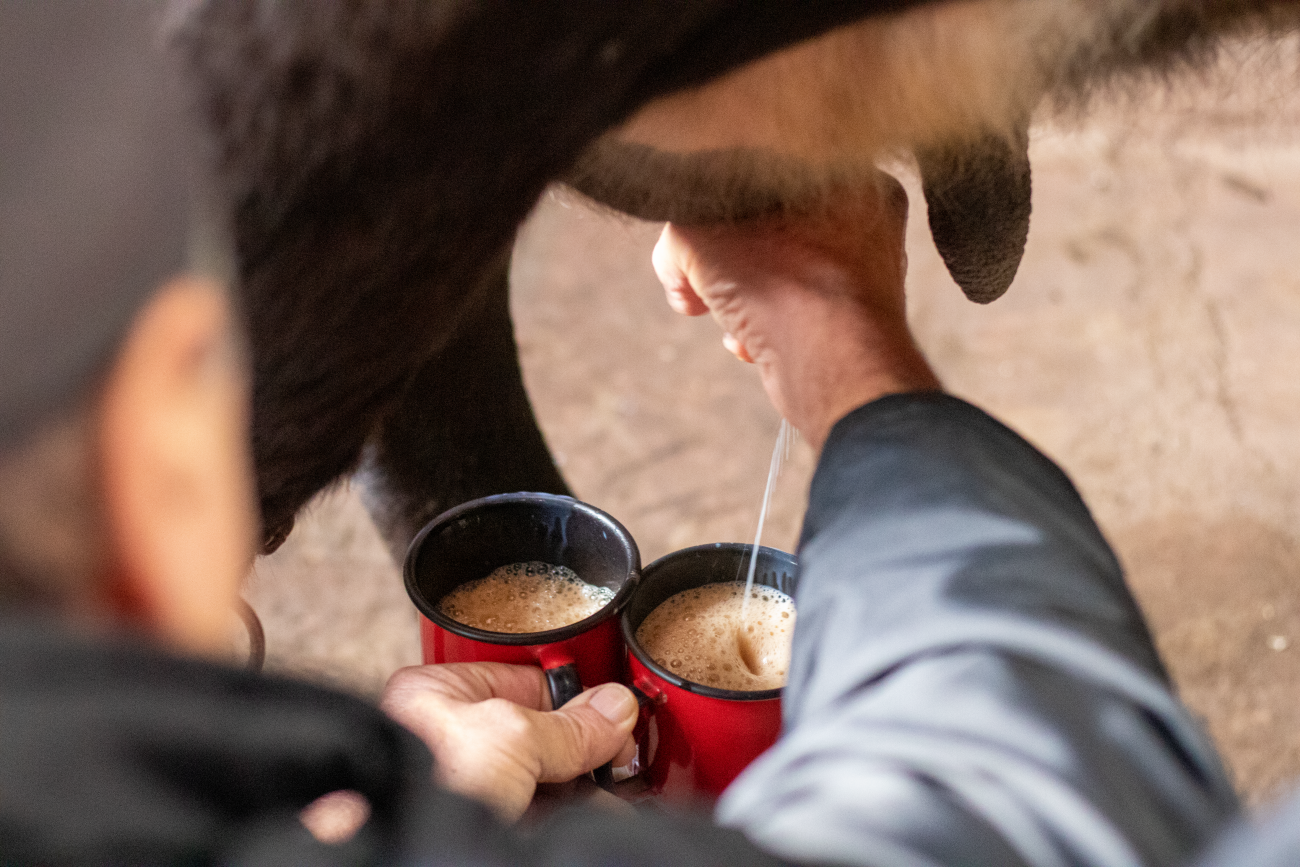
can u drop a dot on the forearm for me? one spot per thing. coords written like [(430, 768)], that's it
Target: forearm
[(829, 358), (972, 682)]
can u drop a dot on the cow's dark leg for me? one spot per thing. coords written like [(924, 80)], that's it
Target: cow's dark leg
[(463, 428)]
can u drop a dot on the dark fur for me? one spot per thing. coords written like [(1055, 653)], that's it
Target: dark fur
[(462, 429)]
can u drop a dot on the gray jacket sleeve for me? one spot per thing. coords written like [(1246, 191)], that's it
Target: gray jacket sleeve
[(1273, 841), (972, 683)]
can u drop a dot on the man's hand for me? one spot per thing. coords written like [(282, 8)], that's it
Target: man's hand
[(494, 736), (816, 301)]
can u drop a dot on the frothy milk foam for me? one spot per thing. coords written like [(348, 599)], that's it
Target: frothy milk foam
[(525, 597), (697, 634)]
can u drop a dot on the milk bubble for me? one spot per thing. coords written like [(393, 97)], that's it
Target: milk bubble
[(525, 597)]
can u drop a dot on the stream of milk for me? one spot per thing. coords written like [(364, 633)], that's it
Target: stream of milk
[(780, 454)]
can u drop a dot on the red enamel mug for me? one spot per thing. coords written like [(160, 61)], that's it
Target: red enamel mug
[(695, 739), (474, 539)]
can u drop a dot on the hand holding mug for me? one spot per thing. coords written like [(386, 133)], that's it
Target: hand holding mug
[(493, 733)]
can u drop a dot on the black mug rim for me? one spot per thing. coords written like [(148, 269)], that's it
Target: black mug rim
[(634, 647), (430, 611)]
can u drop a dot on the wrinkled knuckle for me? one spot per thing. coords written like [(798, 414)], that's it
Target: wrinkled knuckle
[(582, 739)]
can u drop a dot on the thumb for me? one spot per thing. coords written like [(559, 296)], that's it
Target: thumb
[(667, 261), (584, 734)]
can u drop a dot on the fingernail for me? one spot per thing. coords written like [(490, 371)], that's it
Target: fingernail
[(615, 703), (630, 770)]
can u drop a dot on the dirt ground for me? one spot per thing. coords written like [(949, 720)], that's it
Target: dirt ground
[(1150, 345)]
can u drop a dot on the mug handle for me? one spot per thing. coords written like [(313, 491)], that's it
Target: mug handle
[(564, 685), (648, 697)]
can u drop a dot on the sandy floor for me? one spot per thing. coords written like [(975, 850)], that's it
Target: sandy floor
[(1150, 344)]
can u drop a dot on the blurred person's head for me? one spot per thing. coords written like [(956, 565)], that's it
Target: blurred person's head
[(125, 495)]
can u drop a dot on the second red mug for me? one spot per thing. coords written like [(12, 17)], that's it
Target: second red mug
[(696, 739)]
